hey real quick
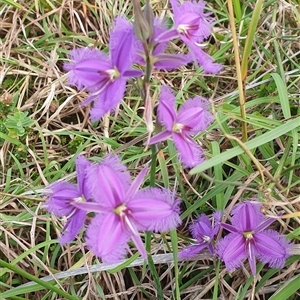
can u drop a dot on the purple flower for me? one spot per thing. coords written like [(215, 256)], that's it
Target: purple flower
[(123, 210), (159, 58), (250, 239), (193, 26), (192, 118), (105, 76), (61, 198), (203, 231)]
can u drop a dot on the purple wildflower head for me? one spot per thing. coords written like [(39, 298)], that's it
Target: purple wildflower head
[(62, 196), (102, 75), (192, 25), (250, 239), (203, 231), (123, 210), (190, 20), (191, 118), (157, 50)]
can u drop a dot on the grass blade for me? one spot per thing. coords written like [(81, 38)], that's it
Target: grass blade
[(256, 142)]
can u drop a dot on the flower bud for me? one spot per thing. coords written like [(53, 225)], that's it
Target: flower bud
[(143, 23)]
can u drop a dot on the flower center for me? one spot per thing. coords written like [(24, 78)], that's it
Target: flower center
[(113, 74), (248, 235), (177, 127), (120, 210), (206, 239), (79, 199), (184, 29)]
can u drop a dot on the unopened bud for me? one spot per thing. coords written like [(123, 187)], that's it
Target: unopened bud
[(142, 27)]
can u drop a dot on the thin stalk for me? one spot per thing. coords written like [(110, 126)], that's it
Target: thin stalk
[(238, 72), (149, 123)]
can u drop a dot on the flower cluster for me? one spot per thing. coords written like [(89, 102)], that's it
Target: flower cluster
[(248, 238), (122, 209)]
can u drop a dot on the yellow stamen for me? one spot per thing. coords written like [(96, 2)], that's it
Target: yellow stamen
[(120, 209), (248, 234), (177, 127)]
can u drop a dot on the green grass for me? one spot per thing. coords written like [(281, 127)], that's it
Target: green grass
[(36, 37)]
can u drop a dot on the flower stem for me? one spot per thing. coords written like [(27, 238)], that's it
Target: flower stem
[(238, 72)]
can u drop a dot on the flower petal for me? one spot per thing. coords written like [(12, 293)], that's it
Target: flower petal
[(155, 209), (137, 182), (85, 67), (201, 227), (61, 194), (82, 164), (106, 238), (272, 248), (108, 99), (203, 59), (190, 153), (162, 136), (167, 36), (74, 224), (171, 61), (132, 73), (247, 216), (166, 108), (121, 44), (194, 115), (108, 184), (191, 251), (231, 250)]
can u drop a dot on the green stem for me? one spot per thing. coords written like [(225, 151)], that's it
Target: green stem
[(238, 72), (149, 122), (45, 284)]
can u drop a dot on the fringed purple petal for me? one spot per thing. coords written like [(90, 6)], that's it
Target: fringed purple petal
[(191, 21), (272, 248), (175, 7), (231, 228), (162, 136), (132, 73), (155, 209), (247, 216), (166, 108), (107, 239), (122, 44), (108, 99), (85, 67), (194, 115), (136, 184), (190, 153), (107, 185), (216, 222), (171, 61), (203, 59), (167, 36), (159, 27), (74, 224), (231, 249), (82, 165), (191, 251), (201, 228), (61, 194)]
